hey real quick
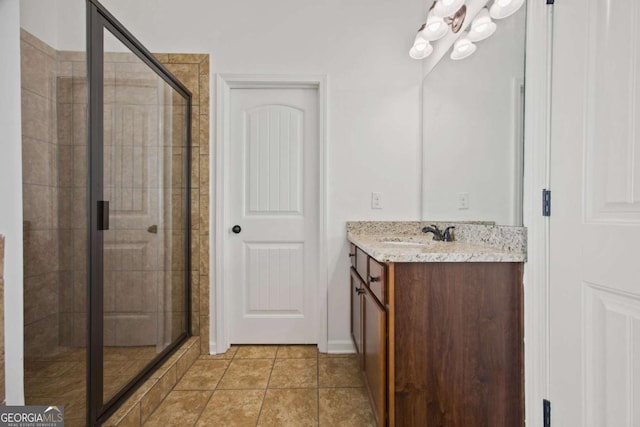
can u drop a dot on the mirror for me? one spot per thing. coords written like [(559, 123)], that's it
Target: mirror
[(473, 131)]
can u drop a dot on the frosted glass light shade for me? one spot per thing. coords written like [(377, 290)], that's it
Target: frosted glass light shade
[(421, 54), (504, 8), (482, 26), (420, 43), (463, 48), (435, 28), (444, 8)]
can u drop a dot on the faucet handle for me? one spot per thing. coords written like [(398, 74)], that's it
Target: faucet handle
[(447, 235), (437, 234)]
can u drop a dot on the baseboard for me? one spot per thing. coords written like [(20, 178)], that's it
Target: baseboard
[(340, 347)]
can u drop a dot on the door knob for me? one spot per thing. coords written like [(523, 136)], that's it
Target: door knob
[(153, 229), (236, 229)]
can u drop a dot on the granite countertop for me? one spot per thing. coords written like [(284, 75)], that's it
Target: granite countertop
[(405, 242)]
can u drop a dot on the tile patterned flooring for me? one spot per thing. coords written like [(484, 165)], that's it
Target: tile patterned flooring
[(264, 386), (61, 378)]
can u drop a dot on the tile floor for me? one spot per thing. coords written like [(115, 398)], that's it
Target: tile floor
[(268, 386), (61, 378)]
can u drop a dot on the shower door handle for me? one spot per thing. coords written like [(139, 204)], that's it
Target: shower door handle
[(103, 214)]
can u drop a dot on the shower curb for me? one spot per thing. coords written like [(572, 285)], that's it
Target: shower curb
[(135, 410)]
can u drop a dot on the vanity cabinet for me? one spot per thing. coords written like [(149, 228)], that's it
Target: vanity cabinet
[(441, 342)]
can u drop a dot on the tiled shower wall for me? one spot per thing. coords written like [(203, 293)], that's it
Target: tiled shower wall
[(72, 139), (40, 194), (55, 188), (193, 71)]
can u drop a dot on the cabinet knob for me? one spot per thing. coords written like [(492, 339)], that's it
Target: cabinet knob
[(374, 279), (359, 291)]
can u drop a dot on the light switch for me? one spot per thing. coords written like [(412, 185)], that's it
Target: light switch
[(463, 201), (376, 200)]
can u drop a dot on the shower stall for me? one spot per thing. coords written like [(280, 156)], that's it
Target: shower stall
[(106, 185)]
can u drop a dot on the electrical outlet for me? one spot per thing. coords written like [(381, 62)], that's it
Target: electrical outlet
[(463, 201), (376, 200)]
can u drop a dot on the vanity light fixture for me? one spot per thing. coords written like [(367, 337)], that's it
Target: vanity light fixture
[(504, 8), (463, 48), (445, 8), (445, 14), (482, 26)]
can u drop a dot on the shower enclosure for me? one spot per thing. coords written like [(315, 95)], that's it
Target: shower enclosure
[(139, 215), (113, 247)]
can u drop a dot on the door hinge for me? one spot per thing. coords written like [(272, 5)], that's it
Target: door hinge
[(551, 1), (546, 202), (546, 413)]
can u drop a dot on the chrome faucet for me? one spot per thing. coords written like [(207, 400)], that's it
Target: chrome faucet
[(442, 236)]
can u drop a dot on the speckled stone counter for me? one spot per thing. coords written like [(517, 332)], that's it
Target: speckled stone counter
[(404, 242)]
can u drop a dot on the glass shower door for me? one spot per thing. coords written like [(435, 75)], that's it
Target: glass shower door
[(140, 158)]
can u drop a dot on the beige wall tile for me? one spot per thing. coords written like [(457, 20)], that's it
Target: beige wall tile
[(1, 262), (40, 252), (38, 206), (41, 297), (186, 58), (204, 89), (37, 116), (204, 134), (37, 160), (37, 70), (157, 393), (204, 334), (188, 74)]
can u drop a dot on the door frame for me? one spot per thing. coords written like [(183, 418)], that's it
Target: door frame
[(538, 110), (219, 299)]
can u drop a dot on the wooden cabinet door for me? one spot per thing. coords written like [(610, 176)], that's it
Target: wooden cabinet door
[(357, 330), (375, 355)]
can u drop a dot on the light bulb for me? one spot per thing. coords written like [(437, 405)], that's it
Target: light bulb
[(504, 8), (445, 8), (421, 54), (463, 48), (482, 27), (435, 28), (420, 43)]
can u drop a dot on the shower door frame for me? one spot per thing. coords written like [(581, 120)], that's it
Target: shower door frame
[(98, 20)]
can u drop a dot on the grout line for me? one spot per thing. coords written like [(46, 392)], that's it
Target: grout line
[(264, 396)]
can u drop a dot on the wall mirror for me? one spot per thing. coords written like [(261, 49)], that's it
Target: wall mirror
[(473, 135)]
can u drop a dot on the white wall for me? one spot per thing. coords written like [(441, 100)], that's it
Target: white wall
[(374, 91), (470, 130), (40, 18), (11, 196)]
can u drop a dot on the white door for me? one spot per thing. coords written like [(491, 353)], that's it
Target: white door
[(271, 276), (595, 218)]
